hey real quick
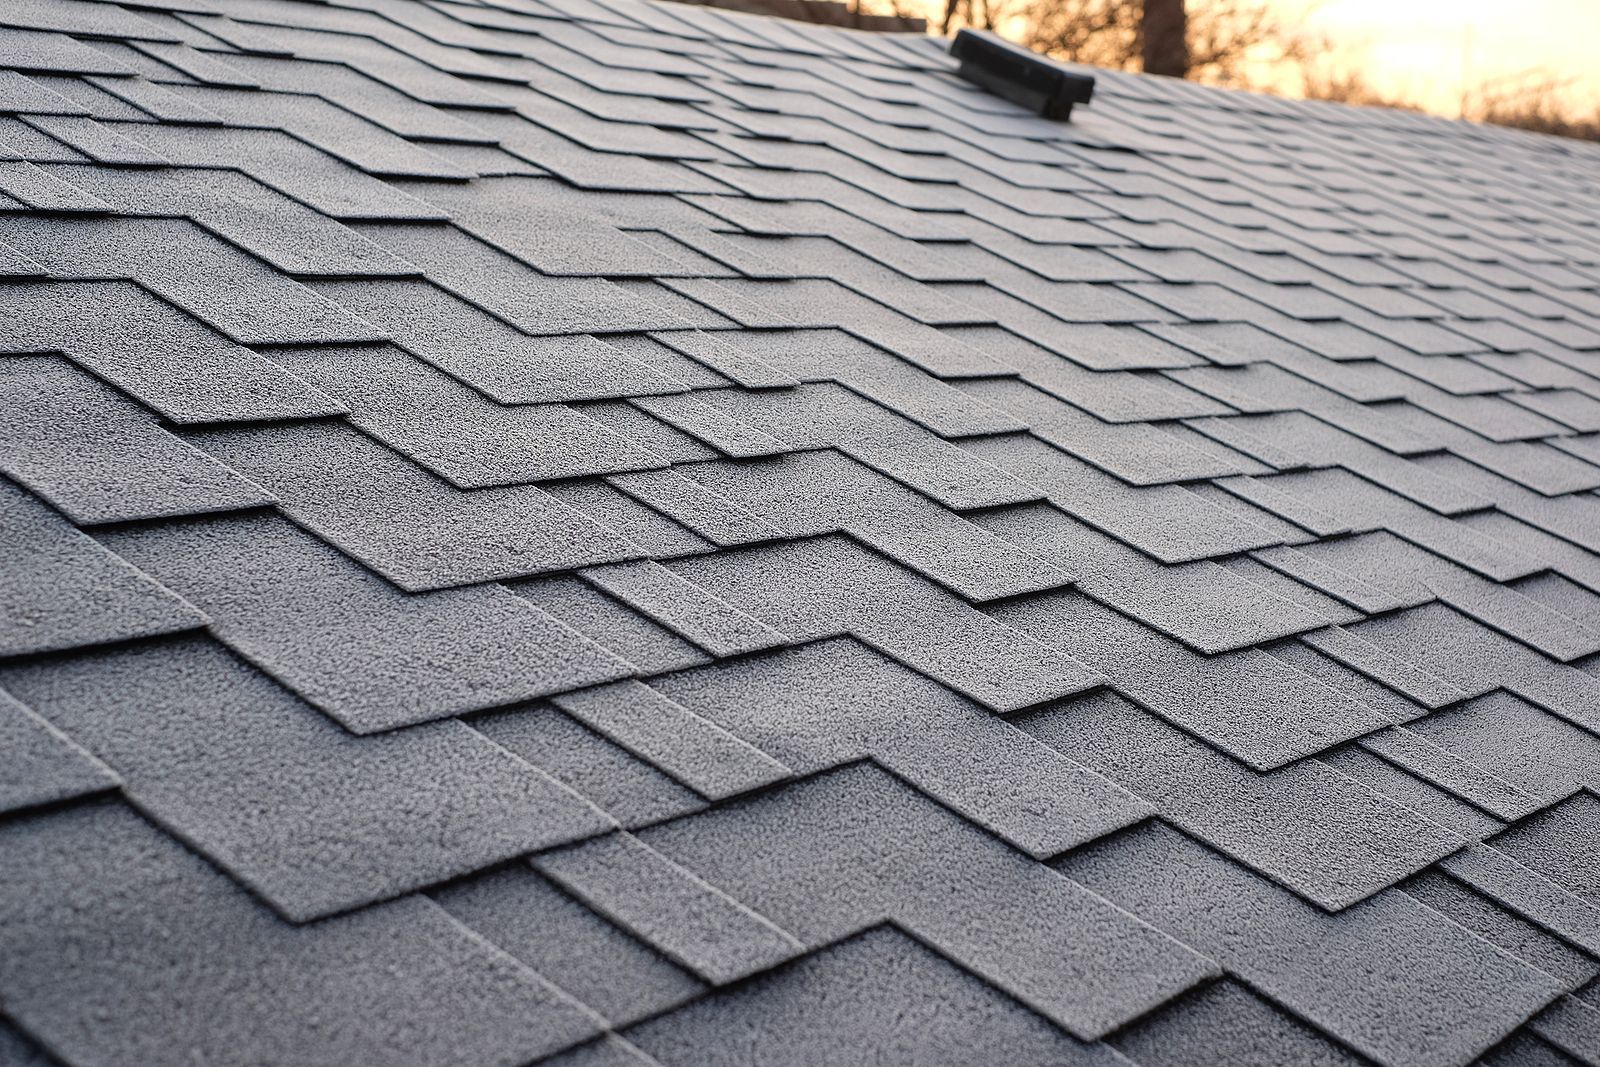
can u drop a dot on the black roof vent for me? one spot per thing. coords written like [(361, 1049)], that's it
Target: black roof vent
[(1021, 76)]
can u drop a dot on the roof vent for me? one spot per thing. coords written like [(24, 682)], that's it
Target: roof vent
[(1021, 76)]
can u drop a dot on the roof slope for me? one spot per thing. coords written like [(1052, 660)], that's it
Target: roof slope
[(587, 532)]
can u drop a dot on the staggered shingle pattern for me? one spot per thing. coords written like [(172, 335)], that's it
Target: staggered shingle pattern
[(599, 533)]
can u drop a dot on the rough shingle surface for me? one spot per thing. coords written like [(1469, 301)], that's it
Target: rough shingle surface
[(612, 534)]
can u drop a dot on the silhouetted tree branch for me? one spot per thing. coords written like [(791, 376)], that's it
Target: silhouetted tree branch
[(1164, 38), (1219, 37)]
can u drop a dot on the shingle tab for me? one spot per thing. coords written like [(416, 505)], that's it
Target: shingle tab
[(608, 970), (234, 294), (63, 590), (1451, 998), (692, 922), (457, 433), (41, 764), (853, 1002), (698, 753), (1328, 838), (352, 644), (1226, 1025), (1250, 705), (408, 525), (824, 586), (503, 363), (100, 457), (786, 855), (155, 924), (181, 367), (312, 819)]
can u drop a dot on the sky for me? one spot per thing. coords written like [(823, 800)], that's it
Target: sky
[(1427, 49)]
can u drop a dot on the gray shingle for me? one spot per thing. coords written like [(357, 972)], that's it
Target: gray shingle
[(1570, 1025), (177, 365), (509, 214), (125, 923), (1532, 749), (1411, 789), (854, 702), (791, 304), (609, 971), (687, 609), (100, 457), (823, 416), (1328, 838), (414, 528), (689, 920), (1166, 521), (55, 53), (1453, 647), (1529, 893), (314, 820), (1559, 843), (1252, 706), (233, 293), (877, 997), (633, 792), (756, 431), (610, 623), (824, 586), (1525, 1049), (457, 433), (698, 753), (1139, 453), (1410, 575), (41, 764), (1040, 937), (1226, 1025), (501, 362), (504, 287), (1390, 977), (349, 642), (1502, 927), (60, 589), (1206, 606), (805, 494)]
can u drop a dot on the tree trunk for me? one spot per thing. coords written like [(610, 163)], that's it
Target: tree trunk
[(1163, 30)]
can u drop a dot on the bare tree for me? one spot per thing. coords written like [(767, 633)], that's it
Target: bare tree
[(1533, 100), (1244, 42), (1220, 38), (1101, 33), (983, 14), (1164, 38)]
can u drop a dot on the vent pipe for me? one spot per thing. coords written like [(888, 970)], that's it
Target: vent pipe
[(1019, 75)]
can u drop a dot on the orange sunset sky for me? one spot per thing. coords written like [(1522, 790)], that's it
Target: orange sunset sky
[(1428, 51)]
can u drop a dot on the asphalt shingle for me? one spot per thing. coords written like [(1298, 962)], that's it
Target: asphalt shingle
[(63, 590), (1328, 838), (311, 818), (42, 764), (1453, 996), (976, 902), (853, 1002), (406, 524), (126, 922), (924, 583), (352, 644)]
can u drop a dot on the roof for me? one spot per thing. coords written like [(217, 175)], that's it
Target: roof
[(594, 533)]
